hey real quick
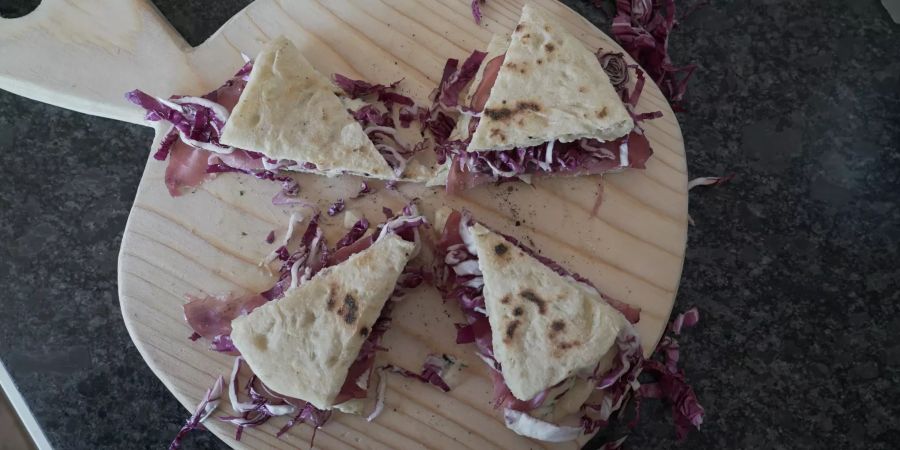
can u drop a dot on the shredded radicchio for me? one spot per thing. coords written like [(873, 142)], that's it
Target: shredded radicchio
[(476, 10), (205, 409), (686, 319), (642, 27), (709, 181), (433, 371), (672, 387), (359, 88), (669, 383), (265, 403), (454, 81), (356, 232), (336, 207), (377, 120), (526, 425), (445, 97), (364, 189)]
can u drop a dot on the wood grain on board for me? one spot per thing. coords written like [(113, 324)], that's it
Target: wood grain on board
[(85, 55)]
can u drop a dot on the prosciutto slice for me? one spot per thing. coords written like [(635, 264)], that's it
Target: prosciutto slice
[(211, 316), (186, 168)]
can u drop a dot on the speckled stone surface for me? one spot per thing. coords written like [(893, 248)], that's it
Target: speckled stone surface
[(793, 265)]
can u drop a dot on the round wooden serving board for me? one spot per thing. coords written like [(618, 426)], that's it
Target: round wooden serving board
[(85, 55)]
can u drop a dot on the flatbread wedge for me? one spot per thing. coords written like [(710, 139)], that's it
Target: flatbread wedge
[(302, 345), (289, 111), (539, 104), (550, 87), (558, 349), (545, 328)]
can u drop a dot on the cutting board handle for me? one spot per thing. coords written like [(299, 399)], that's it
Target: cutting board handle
[(84, 55)]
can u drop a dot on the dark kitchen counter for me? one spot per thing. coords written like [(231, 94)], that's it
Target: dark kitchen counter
[(793, 265)]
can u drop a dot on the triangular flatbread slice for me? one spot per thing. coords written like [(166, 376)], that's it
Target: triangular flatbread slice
[(550, 87), (546, 327), (290, 111), (303, 344)]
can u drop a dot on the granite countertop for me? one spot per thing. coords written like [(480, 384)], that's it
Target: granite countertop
[(793, 265)]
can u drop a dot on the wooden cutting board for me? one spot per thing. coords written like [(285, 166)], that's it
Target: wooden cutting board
[(84, 55)]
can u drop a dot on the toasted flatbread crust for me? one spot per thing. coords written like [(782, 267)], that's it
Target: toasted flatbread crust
[(303, 344), (545, 327), (550, 87), (290, 111)]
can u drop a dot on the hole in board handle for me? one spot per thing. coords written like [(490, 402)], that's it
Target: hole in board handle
[(13, 9)]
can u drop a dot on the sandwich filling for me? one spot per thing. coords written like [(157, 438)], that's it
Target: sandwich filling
[(507, 326), (190, 130), (305, 344), (213, 318), (539, 104)]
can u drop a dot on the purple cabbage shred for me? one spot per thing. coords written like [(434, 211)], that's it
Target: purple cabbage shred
[(206, 407), (336, 207), (642, 27), (476, 10)]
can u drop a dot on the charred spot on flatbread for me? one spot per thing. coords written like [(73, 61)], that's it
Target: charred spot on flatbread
[(527, 106), (557, 327), (498, 114), (501, 249), (505, 300), (533, 298), (563, 347), (519, 27), (364, 331), (511, 330), (518, 311), (601, 113), (497, 133), (331, 301), (505, 114), (348, 311), (549, 47)]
